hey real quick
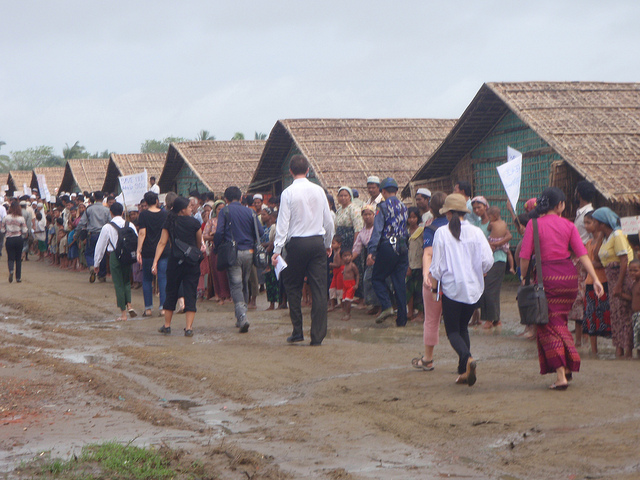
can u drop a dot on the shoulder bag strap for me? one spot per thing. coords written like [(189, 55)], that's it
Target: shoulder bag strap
[(255, 226), (227, 218), (536, 239)]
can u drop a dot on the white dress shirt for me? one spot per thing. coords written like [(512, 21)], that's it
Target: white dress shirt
[(304, 212), (3, 212), (460, 265), (109, 238), (155, 189)]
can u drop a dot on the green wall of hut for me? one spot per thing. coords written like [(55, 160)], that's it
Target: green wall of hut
[(187, 181)]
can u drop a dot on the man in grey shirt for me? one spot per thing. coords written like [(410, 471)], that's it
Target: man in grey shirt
[(96, 216)]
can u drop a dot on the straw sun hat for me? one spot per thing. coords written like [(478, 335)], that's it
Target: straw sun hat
[(455, 202)]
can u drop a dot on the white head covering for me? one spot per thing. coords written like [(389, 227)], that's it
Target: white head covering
[(373, 179), (258, 195), (424, 191)]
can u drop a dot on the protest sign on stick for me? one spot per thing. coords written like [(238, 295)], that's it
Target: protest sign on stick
[(133, 188), (511, 174)]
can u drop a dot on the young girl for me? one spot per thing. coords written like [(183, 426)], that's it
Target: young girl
[(414, 272), (335, 288), (499, 233)]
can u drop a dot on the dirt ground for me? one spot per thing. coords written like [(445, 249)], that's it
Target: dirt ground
[(353, 408)]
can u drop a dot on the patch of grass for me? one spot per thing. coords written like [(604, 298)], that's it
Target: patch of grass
[(109, 460), (127, 461)]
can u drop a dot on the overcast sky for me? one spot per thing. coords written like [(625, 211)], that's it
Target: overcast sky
[(112, 74)]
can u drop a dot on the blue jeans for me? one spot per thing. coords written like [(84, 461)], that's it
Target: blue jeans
[(90, 253), (389, 264), (239, 282), (147, 281)]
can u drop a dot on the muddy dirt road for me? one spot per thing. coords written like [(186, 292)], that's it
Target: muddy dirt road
[(353, 408)]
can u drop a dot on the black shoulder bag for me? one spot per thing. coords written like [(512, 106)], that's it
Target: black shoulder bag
[(185, 253), (260, 255), (227, 252), (532, 301)]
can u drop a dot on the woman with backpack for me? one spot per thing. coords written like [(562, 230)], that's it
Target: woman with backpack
[(120, 238), (185, 234)]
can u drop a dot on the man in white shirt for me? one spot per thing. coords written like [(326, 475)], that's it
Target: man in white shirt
[(423, 196), (373, 187), (154, 186), (304, 229), (120, 273), (3, 213), (585, 194)]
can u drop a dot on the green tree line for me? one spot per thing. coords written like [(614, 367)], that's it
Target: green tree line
[(45, 156)]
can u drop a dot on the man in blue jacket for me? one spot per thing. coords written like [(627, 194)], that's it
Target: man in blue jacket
[(238, 223)]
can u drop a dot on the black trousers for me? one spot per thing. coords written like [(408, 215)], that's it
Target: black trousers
[(456, 320), (185, 276), (14, 255), (306, 256)]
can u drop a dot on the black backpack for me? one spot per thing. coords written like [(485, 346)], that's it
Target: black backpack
[(126, 248)]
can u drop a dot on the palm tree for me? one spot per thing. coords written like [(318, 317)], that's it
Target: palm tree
[(75, 151), (238, 136), (260, 136), (204, 135)]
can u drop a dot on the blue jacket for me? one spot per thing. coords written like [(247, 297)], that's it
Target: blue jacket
[(242, 226)]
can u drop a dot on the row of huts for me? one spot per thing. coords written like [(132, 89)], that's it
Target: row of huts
[(567, 131)]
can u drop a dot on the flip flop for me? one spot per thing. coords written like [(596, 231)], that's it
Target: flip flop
[(419, 364), (560, 388), (132, 313), (471, 374)]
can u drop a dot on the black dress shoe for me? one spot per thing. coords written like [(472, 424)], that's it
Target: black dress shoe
[(295, 339), (315, 344)]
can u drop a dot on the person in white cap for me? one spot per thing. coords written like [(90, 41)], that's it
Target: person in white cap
[(373, 187), (257, 203), (423, 196)]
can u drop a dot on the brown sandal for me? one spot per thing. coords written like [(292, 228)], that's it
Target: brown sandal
[(421, 364)]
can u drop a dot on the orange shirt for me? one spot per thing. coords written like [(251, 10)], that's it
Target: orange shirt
[(591, 251)]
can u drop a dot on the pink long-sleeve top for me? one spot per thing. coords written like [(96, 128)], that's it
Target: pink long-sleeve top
[(558, 238)]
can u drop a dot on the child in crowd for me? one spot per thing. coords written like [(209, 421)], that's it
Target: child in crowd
[(40, 235), (414, 272), (61, 238), (74, 252), (499, 230), (51, 238), (350, 280), (634, 272), (360, 246), (335, 288), (596, 321)]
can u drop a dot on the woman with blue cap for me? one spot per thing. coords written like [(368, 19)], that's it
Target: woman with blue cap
[(615, 255)]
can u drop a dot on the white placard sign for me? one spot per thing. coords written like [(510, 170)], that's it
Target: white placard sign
[(44, 189), (4, 188), (133, 188), (511, 174), (26, 190), (630, 225)]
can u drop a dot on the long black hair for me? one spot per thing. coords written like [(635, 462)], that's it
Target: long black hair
[(179, 204)]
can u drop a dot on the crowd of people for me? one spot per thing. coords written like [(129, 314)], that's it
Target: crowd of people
[(442, 260)]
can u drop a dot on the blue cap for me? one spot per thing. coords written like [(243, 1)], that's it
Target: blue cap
[(388, 182)]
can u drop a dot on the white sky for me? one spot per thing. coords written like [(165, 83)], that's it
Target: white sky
[(112, 74)]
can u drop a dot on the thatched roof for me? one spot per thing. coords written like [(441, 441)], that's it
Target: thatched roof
[(17, 178), (87, 173), (347, 151), (593, 126), (52, 175), (120, 165), (218, 164)]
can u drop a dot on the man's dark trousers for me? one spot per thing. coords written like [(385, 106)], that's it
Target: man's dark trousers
[(306, 256), (390, 264)]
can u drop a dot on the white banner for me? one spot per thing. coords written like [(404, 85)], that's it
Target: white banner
[(511, 175), (26, 190), (44, 189), (133, 188)]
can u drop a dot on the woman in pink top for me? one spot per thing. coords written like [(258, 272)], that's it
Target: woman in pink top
[(558, 238)]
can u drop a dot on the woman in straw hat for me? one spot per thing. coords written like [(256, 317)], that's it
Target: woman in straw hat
[(461, 258)]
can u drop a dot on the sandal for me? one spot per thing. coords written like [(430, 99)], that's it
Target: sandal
[(188, 333), (559, 387), (147, 313), (421, 364), (132, 313)]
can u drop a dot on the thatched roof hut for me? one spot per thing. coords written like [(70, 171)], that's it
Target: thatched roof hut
[(84, 175), (52, 175), (210, 165), (120, 165), (347, 151), (567, 131), (16, 180)]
